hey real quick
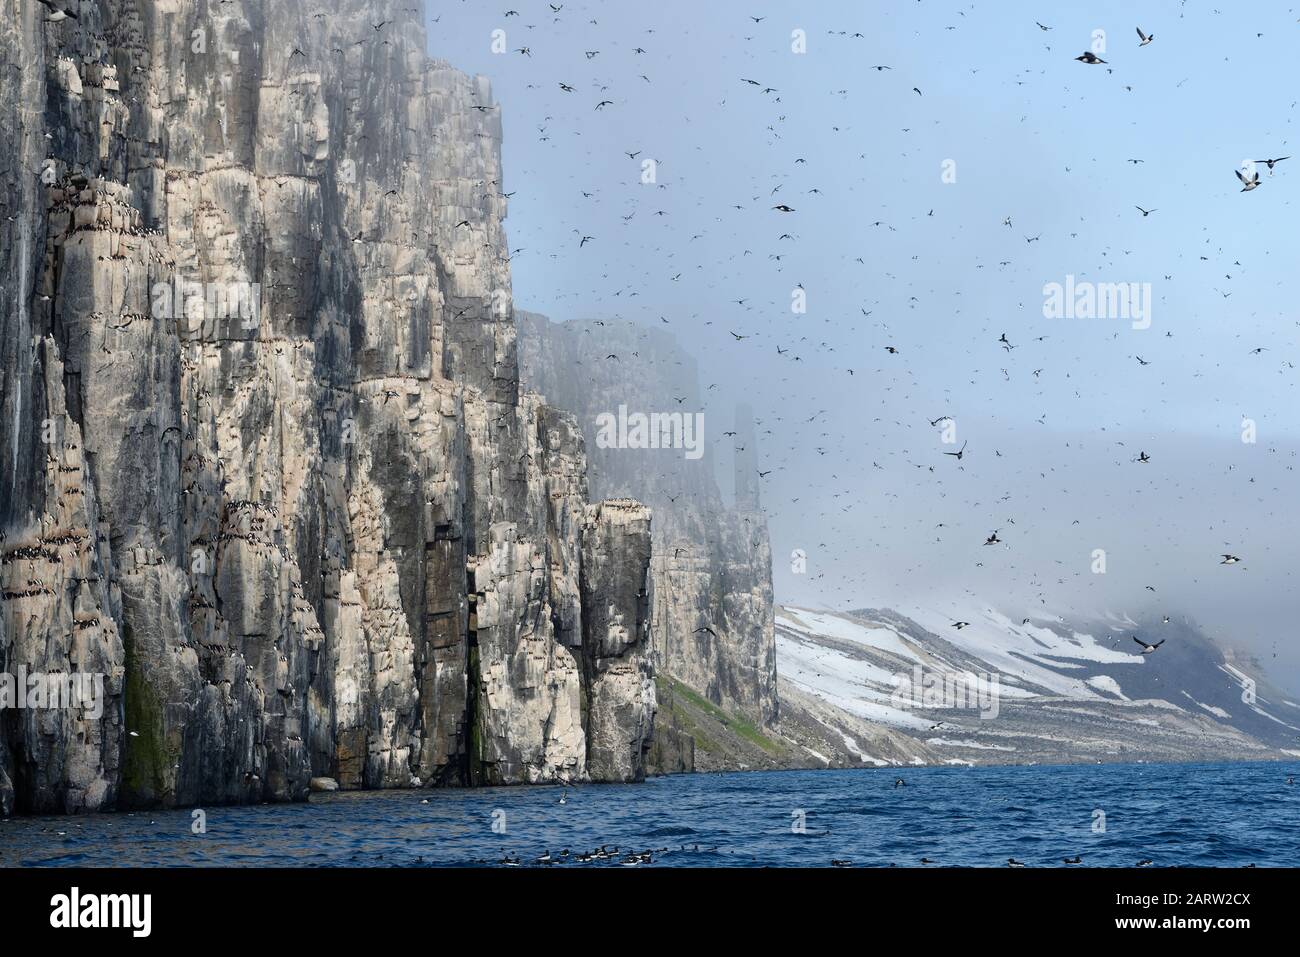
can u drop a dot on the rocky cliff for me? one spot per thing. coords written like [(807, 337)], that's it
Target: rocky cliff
[(712, 618), (266, 463)]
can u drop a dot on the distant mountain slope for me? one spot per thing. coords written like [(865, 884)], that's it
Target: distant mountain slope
[(1052, 692)]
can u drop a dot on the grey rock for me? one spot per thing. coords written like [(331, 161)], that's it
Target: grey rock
[(712, 618), (616, 639), (326, 535)]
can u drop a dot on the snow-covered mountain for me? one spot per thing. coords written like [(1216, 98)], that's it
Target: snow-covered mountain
[(886, 688)]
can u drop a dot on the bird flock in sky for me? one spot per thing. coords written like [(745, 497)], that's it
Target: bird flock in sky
[(774, 180)]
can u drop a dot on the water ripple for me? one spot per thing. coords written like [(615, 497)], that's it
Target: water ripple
[(1203, 815)]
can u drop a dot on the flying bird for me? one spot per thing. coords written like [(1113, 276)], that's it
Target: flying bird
[(58, 12)]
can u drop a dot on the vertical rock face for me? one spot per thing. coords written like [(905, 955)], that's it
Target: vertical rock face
[(746, 460), (712, 616), (265, 464), (616, 646)]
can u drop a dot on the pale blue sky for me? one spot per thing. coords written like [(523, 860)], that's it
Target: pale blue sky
[(1035, 136)]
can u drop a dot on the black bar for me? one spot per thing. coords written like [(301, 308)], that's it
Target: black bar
[(368, 906)]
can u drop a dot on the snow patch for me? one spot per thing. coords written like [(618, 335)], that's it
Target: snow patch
[(812, 623), (817, 754), (1108, 685)]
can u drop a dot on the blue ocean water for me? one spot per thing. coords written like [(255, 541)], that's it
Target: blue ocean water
[(1217, 815)]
